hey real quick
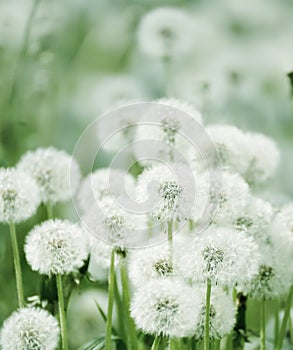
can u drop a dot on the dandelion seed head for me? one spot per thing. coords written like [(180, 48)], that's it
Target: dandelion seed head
[(56, 172), (264, 158), (169, 190), (229, 196), (165, 32), (30, 328), (230, 147), (19, 196), (218, 254), (162, 307), (114, 224), (105, 183), (152, 263), (256, 219), (56, 247), (273, 277), (222, 315), (171, 121)]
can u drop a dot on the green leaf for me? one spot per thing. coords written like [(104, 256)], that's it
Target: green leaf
[(104, 317)]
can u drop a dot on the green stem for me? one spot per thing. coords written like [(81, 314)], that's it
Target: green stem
[(49, 207), (62, 317), (156, 343), (120, 310), (110, 300), (285, 320), (132, 336), (229, 342), (277, 323), (263, 325), (217, 344), (172, 344), (167, 68), (17, 266), (207, 315)]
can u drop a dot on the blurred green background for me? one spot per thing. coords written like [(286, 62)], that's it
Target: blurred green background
[(64, 63)]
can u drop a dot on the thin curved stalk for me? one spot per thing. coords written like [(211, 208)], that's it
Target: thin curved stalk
[(132, 336), (17, 265), (62, 316), (156, 343), (263, 325), (207, 315), (110, 300), (285, 320)]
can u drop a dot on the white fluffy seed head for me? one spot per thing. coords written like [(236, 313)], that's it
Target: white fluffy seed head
[(56, 247), (56, 172), (153, 263), (273, 277), (19, 196), (163, 307), (114, 224), (167, 132), (222, 315), (183, 106), (254, 156), (219, 254), (30, 328), (169, 192), (256, 220), (264, 158), (229, 195), (281, 233), (105, 183), (230, 146), (165, 32)]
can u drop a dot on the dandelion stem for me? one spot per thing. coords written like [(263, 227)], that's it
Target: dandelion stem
[(17, 266), (132, 337), (263, 325), (110, 300), (285, 320), (120, 310), (172, 344), (207, 315), (49, 210), (62, 317), (156, 343), (277, 323), (167, 69), (217, 344)]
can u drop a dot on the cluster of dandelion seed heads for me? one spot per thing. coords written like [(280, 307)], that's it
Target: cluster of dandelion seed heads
[(164, 307), (254, 156), (56, 247), (56, 172), (19, 196), (30, 328)]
